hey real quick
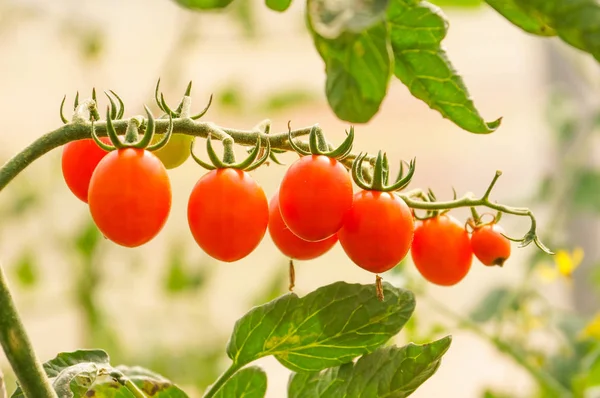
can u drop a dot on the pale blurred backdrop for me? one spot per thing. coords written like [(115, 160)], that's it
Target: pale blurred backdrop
[(52, 48)]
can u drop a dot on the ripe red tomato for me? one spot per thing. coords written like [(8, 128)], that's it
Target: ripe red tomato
[(377, 231), (489, 246), (228, 214), (441, 250), (130, 196), (314, 196), (79, 159), (291, 245)]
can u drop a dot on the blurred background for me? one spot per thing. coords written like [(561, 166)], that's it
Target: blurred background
[(169, 307)]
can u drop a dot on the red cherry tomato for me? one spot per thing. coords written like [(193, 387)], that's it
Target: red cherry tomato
[(441, 250), (489, 246), (291, 245), (314, 197), (377, 231), (130, 196), (228, 214), (79, 160)]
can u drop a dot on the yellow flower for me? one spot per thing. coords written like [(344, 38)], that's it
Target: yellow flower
[(592, 329), (565, 264)]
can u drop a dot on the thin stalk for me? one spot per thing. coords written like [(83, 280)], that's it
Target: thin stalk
[(213, 389)]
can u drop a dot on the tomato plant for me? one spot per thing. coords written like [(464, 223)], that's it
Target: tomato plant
[(79, 160), (489, 244), (441, 250), (289, 244)]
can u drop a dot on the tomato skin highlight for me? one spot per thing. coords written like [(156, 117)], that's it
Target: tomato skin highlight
[(377, 231), (79, 160), (228, 213), (288, 243), (130, 196), (314, 196), (441, 250), (489, 246), (175, 152)]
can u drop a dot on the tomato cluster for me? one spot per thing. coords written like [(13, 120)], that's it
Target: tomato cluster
[(129, 195)]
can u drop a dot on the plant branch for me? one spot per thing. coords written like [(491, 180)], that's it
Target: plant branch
[(213, 389), (18, 348)]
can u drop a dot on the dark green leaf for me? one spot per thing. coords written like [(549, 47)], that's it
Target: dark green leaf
[(491, 305), (249, 382), (152, 384), (394, 372), (417, 30), (326, 328), (204, 4), (586, 195), (278, 5), (330, 19), (532, 23), (574, 21), (358, 68)]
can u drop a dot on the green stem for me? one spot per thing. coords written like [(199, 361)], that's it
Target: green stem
[(550, 384), (133, 389), (18, 348), (221, 380)]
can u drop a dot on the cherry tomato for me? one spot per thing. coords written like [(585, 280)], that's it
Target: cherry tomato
[(79, 159), (441, 250), (130, 196), (489, 246), (228, 214), (314, 196), (176, 151), (291, 245), (377, 231)]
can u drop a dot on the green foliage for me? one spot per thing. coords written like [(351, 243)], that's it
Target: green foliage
[(574, 21), (331, 19), (458, 3), (586, 195), (490, 305), (358, 67), (278, 5), (180, 278), (417, 30), (88, 373), (326, 328), (250, 382), (394, 372), (26, 269), (204, 4)]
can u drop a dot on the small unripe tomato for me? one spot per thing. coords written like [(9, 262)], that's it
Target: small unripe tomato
[(441, 250), (176, 151), (289, 244), (228, 214), (130, 196), (377, 231), (314, 197), (489, 246), (79, 160)]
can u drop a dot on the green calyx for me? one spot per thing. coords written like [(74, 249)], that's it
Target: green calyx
[(317, 145), (257, 156), (181, 110), (116, 110), (381, 170), (132, 136)]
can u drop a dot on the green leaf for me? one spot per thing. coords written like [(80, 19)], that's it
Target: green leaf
[(26, 269), (249, 382), (574, 21), (531, 23), (326, 328), (358, 68), (204, 4), (417, 30), (87, 373), (490, 305), (586, 195), (278, 5), (393, 372), (458, 3), (330, 19)]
